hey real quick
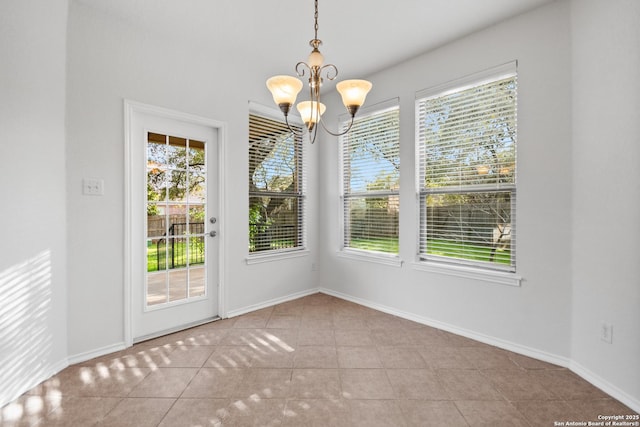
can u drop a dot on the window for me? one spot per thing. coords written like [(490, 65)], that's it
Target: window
[(276, 187), (371, 180), (466, 162)]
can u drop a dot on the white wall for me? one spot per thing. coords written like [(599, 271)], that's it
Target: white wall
[(606, 191), (536, 316), (578, 200), (111, 59), (33, 324)]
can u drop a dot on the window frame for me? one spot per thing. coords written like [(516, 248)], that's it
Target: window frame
[(256, 109), (388, 258), (483, 270)]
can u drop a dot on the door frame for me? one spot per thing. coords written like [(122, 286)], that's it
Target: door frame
[(131, 108)]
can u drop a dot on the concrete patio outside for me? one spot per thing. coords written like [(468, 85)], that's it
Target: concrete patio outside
[(177, 280)]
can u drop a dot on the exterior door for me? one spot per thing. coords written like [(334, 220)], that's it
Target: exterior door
[(174, 240)]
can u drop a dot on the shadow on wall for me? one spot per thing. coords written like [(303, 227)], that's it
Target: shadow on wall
[(25, 342)]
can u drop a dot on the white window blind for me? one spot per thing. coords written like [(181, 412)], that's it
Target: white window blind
[(276, 186), (370, 158), (466, 162)]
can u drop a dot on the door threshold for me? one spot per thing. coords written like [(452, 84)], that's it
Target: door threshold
[(175, 329)]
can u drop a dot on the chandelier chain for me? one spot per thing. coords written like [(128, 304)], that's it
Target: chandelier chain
[(315, 17)]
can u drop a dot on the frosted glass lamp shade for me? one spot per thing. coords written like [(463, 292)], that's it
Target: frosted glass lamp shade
[(309, 112), (284, 89), (353, 92)]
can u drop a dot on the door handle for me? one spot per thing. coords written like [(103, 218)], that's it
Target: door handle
[(213, 233)]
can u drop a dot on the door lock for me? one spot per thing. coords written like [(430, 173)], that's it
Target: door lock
[(213, 220)]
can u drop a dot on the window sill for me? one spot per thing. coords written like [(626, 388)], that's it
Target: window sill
[(378, 258), (277, 256), (499, 277)]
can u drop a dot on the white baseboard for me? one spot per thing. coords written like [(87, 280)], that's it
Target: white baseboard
[(506, 345), (271, 302), (605, 386), (565, 362), (82, 357)]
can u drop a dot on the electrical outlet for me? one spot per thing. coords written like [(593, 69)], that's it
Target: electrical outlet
[(93, 187), (606, 332), (314, 266)]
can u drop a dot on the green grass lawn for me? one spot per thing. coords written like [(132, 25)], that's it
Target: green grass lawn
[(472, 252), (274, 245), (179, 256), (448, 248), (380, 244)]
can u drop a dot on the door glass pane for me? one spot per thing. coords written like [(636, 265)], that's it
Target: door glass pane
[(197, 185), (156, 150), (156, 288), (156, 225), (196, 261), (156, 271), (156, 188), (196, 216), (196, 153), (177, 153), (176, 209), (195, 253), (156, 254), (196, 280), (176, 184), (177, 218), (178, 284)]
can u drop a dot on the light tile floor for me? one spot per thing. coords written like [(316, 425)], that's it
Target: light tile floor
[(315, 361)]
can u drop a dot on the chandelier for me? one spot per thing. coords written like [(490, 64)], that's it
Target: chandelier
[(285, 89)]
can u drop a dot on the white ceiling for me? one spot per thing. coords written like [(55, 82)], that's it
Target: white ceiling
[(359, 36)]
